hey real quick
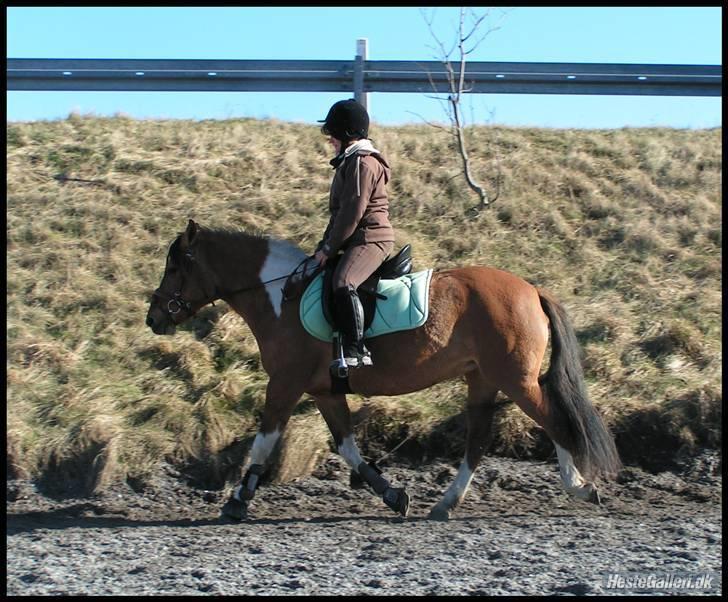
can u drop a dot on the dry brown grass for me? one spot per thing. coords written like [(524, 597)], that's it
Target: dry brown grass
[(624, 226)]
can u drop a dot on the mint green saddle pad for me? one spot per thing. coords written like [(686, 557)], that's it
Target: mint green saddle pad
[(406, 306)]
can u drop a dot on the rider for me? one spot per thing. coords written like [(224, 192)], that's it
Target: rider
[(359, 225)]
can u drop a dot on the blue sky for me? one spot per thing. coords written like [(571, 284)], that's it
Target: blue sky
[(669, 35)]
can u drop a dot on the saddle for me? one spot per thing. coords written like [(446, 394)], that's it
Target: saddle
[(394, 267)]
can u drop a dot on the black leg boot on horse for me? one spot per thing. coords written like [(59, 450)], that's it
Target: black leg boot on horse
[(350, 324)]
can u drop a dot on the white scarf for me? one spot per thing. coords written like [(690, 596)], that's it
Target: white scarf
[(365, 145)]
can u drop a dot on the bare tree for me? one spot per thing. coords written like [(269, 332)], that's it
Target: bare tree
[(468, 38)]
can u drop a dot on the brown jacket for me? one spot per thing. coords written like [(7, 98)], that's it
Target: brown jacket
[(358, 203)]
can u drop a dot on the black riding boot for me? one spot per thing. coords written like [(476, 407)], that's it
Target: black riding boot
[(350, 323)]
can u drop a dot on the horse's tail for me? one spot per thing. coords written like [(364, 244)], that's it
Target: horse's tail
[(592, 445)]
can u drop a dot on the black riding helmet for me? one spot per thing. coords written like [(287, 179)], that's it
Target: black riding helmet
[(346, 120)]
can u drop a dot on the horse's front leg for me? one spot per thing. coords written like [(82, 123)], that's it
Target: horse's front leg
[(335, 411), (280, 400)]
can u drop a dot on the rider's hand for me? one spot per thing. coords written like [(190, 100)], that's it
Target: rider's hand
[(320, 257)]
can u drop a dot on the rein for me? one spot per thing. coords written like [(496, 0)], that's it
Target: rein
[(287, 277), (180, 303)]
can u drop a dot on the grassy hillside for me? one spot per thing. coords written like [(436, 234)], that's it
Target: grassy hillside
[(624, 226)]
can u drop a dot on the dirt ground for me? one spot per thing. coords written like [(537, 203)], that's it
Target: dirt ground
[(517, 532)]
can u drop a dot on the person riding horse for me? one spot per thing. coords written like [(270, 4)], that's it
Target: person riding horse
[(359, 226)]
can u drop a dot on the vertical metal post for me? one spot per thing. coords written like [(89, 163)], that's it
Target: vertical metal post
[(362, 53)]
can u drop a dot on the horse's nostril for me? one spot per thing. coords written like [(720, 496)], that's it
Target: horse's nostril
[(150, 322)]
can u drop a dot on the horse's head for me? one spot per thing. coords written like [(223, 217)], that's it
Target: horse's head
[(186, 286)]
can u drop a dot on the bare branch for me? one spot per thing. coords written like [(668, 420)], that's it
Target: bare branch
[(434, 125), (474, 28), (444, 54), (434, 89), (481, 38), (451, 178), (476, 25), (457, 84)]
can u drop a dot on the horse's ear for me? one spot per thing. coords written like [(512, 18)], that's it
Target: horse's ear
[(189, 235)]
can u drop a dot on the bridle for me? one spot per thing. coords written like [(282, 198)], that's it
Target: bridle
[(177, 303)]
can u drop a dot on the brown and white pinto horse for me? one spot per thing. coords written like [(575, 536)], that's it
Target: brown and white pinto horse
[(484, 324)]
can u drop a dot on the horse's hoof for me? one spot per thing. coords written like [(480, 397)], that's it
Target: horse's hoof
[(397, 499), (234, 509), (439, 513), (594, 497)]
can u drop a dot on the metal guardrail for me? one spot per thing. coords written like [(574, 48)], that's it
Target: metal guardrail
[(360, 76)]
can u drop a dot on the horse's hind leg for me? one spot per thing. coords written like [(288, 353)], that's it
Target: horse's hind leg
[(336, 413), (480, 411), (533, 401), (573, 482)]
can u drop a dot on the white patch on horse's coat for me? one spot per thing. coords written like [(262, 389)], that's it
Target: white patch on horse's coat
[(570, 475), (263, 446), (281, 260), (459, 486), (350, 452)]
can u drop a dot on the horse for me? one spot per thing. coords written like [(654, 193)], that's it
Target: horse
[(484, 324)]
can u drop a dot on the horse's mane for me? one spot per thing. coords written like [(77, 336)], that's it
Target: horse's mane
[(234, 238), (235, 235), (228, 235)]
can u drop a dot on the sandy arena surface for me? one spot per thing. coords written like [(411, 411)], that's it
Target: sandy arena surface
[(517, 532)]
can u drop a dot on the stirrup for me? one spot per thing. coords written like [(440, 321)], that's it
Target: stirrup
[(339, 369)]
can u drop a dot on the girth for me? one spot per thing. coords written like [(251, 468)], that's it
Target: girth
[(394, 267)]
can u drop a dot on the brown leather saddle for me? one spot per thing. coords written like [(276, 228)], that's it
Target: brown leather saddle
[(394, 267)]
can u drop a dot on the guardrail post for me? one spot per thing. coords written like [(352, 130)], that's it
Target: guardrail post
[(362, 52)]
